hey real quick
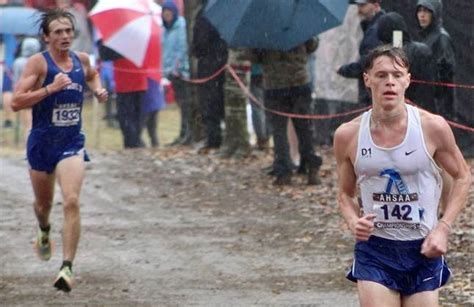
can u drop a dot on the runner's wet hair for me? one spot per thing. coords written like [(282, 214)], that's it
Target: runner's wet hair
[(52, 15), (395, 53)]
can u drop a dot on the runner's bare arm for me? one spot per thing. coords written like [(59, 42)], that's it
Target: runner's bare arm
[(27, 90), (447, 155), (93, 78), (344, 144)]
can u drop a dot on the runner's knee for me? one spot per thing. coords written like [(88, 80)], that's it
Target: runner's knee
[(71, 202)]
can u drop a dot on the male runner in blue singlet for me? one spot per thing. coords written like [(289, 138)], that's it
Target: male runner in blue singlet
[(53, 84), (391, 158)]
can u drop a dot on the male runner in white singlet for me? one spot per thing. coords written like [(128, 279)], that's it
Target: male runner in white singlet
[(391, 158)]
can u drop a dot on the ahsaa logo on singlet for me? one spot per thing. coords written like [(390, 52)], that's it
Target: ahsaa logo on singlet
[(394, 180), (397, 208)]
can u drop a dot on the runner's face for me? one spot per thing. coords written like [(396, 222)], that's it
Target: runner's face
[(425, 17), (61, 34), (387, 81)]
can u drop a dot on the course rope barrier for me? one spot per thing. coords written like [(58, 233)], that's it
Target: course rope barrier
[(451, 123), (331, 116), (260, 104), (453, 85), (290, 115), (204, 80)]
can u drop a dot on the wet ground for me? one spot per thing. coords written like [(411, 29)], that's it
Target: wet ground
[(174, 228)]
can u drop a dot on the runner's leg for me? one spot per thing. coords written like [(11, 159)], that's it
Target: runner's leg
[(70, 173), (371, 294), (43, 188), (421, 299)]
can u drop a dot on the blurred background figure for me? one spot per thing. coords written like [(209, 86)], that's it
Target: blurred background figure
[(422, 65), (260, 121), (106, 70), (9, 47), (152, 103), (432, 33), (369, 11), (130, 84), (211, 52), (28, 47), (287, 89), (176, 63)]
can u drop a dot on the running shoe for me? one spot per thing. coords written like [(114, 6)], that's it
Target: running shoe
[(43, 245), (64, 280)]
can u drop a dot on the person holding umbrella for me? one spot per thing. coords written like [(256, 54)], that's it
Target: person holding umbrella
[(53, 85), (134, 64), (287, 90)]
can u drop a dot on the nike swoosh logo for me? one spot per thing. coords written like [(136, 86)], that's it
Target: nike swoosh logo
[(407, 153)]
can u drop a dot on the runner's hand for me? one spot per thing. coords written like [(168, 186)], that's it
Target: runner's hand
[(101, 94), (364, 227), (436, 243), (61, 81)]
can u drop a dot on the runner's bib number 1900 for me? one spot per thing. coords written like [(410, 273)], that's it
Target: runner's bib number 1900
[(66, 115)]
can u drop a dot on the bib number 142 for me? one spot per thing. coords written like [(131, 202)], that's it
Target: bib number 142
[(393, 213), (400, 212)]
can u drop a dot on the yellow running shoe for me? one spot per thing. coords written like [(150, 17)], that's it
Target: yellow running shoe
[(43, 245), (65, 280)]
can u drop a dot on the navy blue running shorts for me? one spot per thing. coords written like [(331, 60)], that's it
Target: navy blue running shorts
[(43, 155), (398, 265)]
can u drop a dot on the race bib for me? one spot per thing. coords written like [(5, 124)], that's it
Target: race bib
[(397, 211), (66, 115)]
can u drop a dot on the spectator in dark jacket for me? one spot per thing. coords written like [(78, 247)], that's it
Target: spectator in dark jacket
[(211, 52), (286, 81), (433, 34), (370, 11), (419, 56)]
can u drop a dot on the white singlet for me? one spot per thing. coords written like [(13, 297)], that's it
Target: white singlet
[(401, 184)]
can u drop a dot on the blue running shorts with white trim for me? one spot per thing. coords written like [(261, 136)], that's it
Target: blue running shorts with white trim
[(398, 265), (44, 154)]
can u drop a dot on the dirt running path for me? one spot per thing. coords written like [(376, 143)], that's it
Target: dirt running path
[(180, 229)]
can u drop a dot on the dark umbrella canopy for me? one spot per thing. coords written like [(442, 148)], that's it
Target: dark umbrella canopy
[(273, 24)]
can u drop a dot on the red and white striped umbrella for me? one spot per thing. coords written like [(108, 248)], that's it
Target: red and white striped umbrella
[(132, 28)]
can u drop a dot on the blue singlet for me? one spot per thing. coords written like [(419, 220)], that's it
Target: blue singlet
[(56, 133)]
